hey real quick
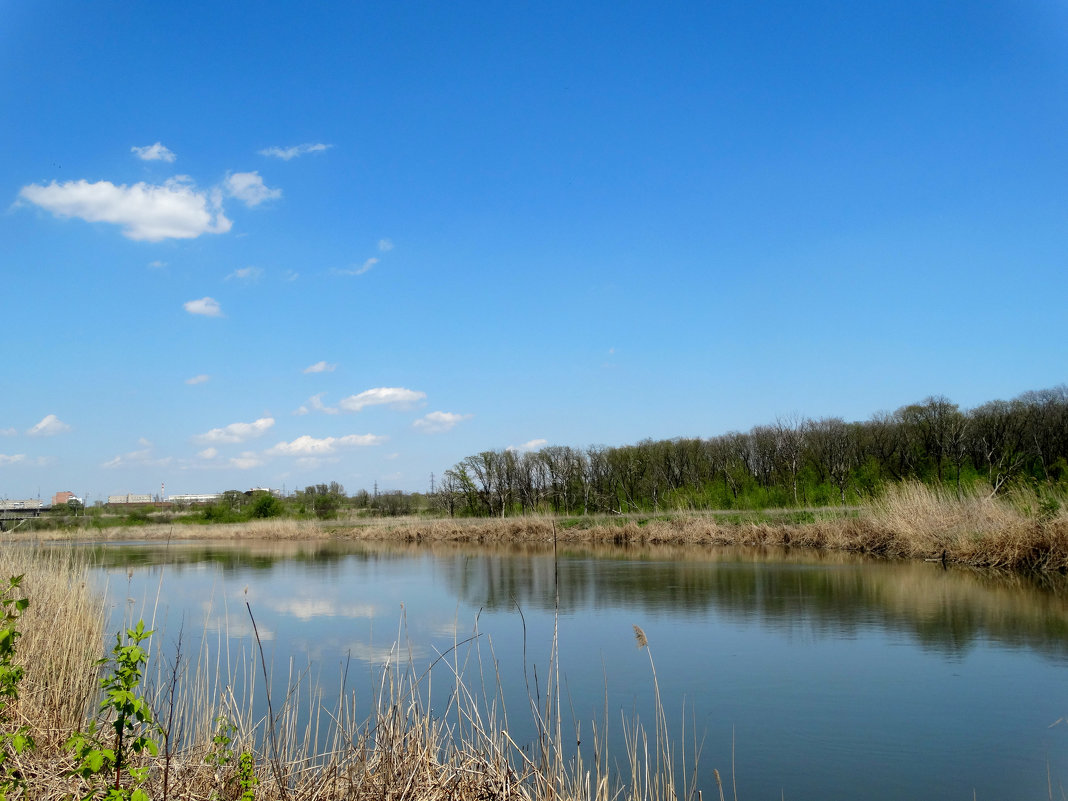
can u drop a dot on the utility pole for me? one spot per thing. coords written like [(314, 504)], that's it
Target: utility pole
[(431, 483)]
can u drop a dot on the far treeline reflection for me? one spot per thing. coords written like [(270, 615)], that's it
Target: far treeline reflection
[(946, 611)]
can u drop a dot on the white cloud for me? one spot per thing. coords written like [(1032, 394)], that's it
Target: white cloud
[(532, 445), (315, 402), (246, 461), (436, 422), (49, 426), (310, 446), (287, 153), (203, 378), (394, 397), (156, 152), (157, 264), (208, 453), (14, 458), (385, 245), (143, 456), (8, 432), (250, 274), (290, 275), (174, 210), (236, 432), (208, 307), (320, 367), (248, 187), (367, 265), (308, 608)]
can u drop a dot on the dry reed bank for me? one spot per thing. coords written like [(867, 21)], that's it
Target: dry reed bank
[(909, 521)]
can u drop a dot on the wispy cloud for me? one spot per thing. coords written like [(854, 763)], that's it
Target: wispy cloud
[(143, 456), (157, 265), (148, 212), (8, 432), (207, 453), (290, 275), (13, 458), (206, 307), (245, 461), (248, 187), (203, 378), (49, 426), (287, 153), (315, 404), (236, 432), (156, 152), (385, 245), (320, 367), (394, 397), (436, 422), (310, 446), (250, 274), (308, 608), (532, 445), (367, 265)]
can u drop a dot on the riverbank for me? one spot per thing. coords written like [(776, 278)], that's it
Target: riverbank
[(910, 521)]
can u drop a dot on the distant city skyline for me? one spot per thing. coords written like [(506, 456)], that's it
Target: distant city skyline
[(261, 246)]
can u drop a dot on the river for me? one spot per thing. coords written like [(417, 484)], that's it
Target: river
[(815, 675)]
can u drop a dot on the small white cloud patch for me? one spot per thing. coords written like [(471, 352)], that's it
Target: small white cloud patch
[(49, 426), (13, 458), (250, 274), (437, 422), (156, 152), (248, 187), (320, 367), (203, 378), (310, 446), (287, 153), (394, 397), (236, 432), (206, 307), (532, 445), (385, 245)]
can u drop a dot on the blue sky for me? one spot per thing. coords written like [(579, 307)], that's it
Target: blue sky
[(259, 244)]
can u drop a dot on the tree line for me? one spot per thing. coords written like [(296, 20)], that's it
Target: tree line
[(794, 461)]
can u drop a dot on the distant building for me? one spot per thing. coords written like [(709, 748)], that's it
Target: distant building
[(26, 503), (207, 497), (129, 498), (61, 498)]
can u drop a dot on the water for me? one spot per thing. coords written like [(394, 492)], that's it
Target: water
[(819, 676)]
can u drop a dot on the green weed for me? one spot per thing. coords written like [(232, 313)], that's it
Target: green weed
[(11, 743), (131, 722)]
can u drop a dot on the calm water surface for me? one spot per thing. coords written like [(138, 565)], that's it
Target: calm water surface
[(833, 677)]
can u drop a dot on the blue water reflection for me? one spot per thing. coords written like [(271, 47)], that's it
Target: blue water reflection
[(828, 676)]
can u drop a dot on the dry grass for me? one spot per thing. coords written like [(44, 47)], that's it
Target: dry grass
[(910, 520), (309, 749)]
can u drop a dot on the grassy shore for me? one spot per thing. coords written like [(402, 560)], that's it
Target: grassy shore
[(909, 521)]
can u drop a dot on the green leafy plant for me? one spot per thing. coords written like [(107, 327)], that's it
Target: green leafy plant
[(246, 776), (222, 754), (130, 720), (12, 743)]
